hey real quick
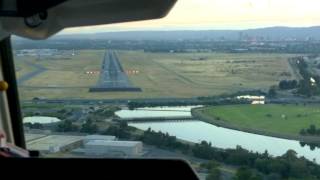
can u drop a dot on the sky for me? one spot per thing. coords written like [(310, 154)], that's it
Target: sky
[(223, 14)]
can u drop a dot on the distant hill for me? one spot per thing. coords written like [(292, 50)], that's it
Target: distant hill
[(272, 33)]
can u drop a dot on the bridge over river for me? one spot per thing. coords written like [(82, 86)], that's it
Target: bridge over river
[(155, 119)]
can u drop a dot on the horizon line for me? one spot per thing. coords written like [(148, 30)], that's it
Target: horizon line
[(179, 29)]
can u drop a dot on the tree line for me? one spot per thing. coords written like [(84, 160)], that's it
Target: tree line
[(310, 131), (312, 146), (68, 126), (286, 166), (288, 84), (201, 101), (305, 86)]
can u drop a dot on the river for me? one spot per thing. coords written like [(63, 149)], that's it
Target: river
[(196, 131)]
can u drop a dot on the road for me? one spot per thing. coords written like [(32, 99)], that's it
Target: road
[(113, 77), (294, 69)]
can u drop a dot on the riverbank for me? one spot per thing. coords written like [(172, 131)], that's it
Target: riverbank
[(198, 113)]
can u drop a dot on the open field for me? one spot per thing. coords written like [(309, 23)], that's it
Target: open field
[(279, 119), (22, 66), (159, 74), (180, 74)]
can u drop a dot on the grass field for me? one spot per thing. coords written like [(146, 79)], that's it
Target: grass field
[(283, 119), (22, 68), (160, 74)]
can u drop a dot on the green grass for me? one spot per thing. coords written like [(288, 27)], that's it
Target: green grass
[(284, 119), (160, 74)]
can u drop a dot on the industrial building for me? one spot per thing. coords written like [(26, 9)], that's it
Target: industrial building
[(254, 99), (91, 145), (113, 148), (53, 143), (98, 137)]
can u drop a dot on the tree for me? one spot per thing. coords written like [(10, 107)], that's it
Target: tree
[(303, 132), (290, 155), (288, 84), (278, 166), (273, 176), (299, 169), (67, 126), (123, 125), (214, 174), (108, 113), (28, 124), (244, 173), (260, 164), (62, 111), (89, 127), (210, 165), (312, 146), (120, 131), (272, 92), (33, 125), (302, 144), (37, 126), (240, 156), (312, 130), (203, 150), (306, 88)]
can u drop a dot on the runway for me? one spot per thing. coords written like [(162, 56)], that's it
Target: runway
[(113, 77)]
